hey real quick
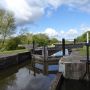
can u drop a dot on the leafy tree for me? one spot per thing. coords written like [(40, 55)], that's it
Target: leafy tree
[(26, 38), (13, 43), (53, 41), (23, 39), (7, 24), (29, 37), (41, 39)]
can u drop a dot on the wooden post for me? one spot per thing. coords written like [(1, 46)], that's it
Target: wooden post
[(63, 46), (74, 41), (33, 46), (33, 57), (45, 52)]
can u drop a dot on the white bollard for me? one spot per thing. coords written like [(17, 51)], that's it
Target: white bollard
[(87, 37)]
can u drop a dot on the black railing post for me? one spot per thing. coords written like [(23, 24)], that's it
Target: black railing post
[(63, 46), (87, 52), (87, 63)]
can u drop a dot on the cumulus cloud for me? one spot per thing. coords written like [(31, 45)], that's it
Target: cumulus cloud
[(28, 11), (69, 34), (24, 10), (51, 32), (55, 3), (72, 33), (84, 28)]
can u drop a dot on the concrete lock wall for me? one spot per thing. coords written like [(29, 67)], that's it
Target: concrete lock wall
[(7, 61), (72, 70)]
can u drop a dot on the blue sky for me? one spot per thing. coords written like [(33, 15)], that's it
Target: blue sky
[(57, 18), (64, 19)]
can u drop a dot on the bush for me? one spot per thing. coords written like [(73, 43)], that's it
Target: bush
[(12, 44)]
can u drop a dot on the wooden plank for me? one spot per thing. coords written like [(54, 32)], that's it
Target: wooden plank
[(57, 82)]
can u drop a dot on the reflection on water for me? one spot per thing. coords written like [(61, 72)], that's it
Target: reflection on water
[(22, 78), (60, 53)]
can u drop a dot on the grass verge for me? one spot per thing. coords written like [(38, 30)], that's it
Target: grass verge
[(13, 51), (83, 51)]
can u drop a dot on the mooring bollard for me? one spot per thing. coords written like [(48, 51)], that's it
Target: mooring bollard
[(63, 46)]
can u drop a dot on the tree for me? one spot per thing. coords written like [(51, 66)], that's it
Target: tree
[(29, 37), (53, 41), (26, 38), (12, 44), (7, 24), (41, 39)]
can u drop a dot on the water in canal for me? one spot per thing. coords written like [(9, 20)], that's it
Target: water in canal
[(75, 85), (22, 77)]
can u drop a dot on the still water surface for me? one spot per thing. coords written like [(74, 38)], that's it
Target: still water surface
[(22, 78), (75, 85)]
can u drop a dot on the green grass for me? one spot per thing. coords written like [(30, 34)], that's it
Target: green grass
[(83, 51), (13, 51)]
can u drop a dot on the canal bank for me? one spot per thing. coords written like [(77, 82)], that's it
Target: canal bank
[(10, 60)]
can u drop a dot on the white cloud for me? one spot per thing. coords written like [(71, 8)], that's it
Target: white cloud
[(72, 32), (83, 29), (24, 10), (27, 11), (69, 34), (83, 5), (55, 3), (51, 32)]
